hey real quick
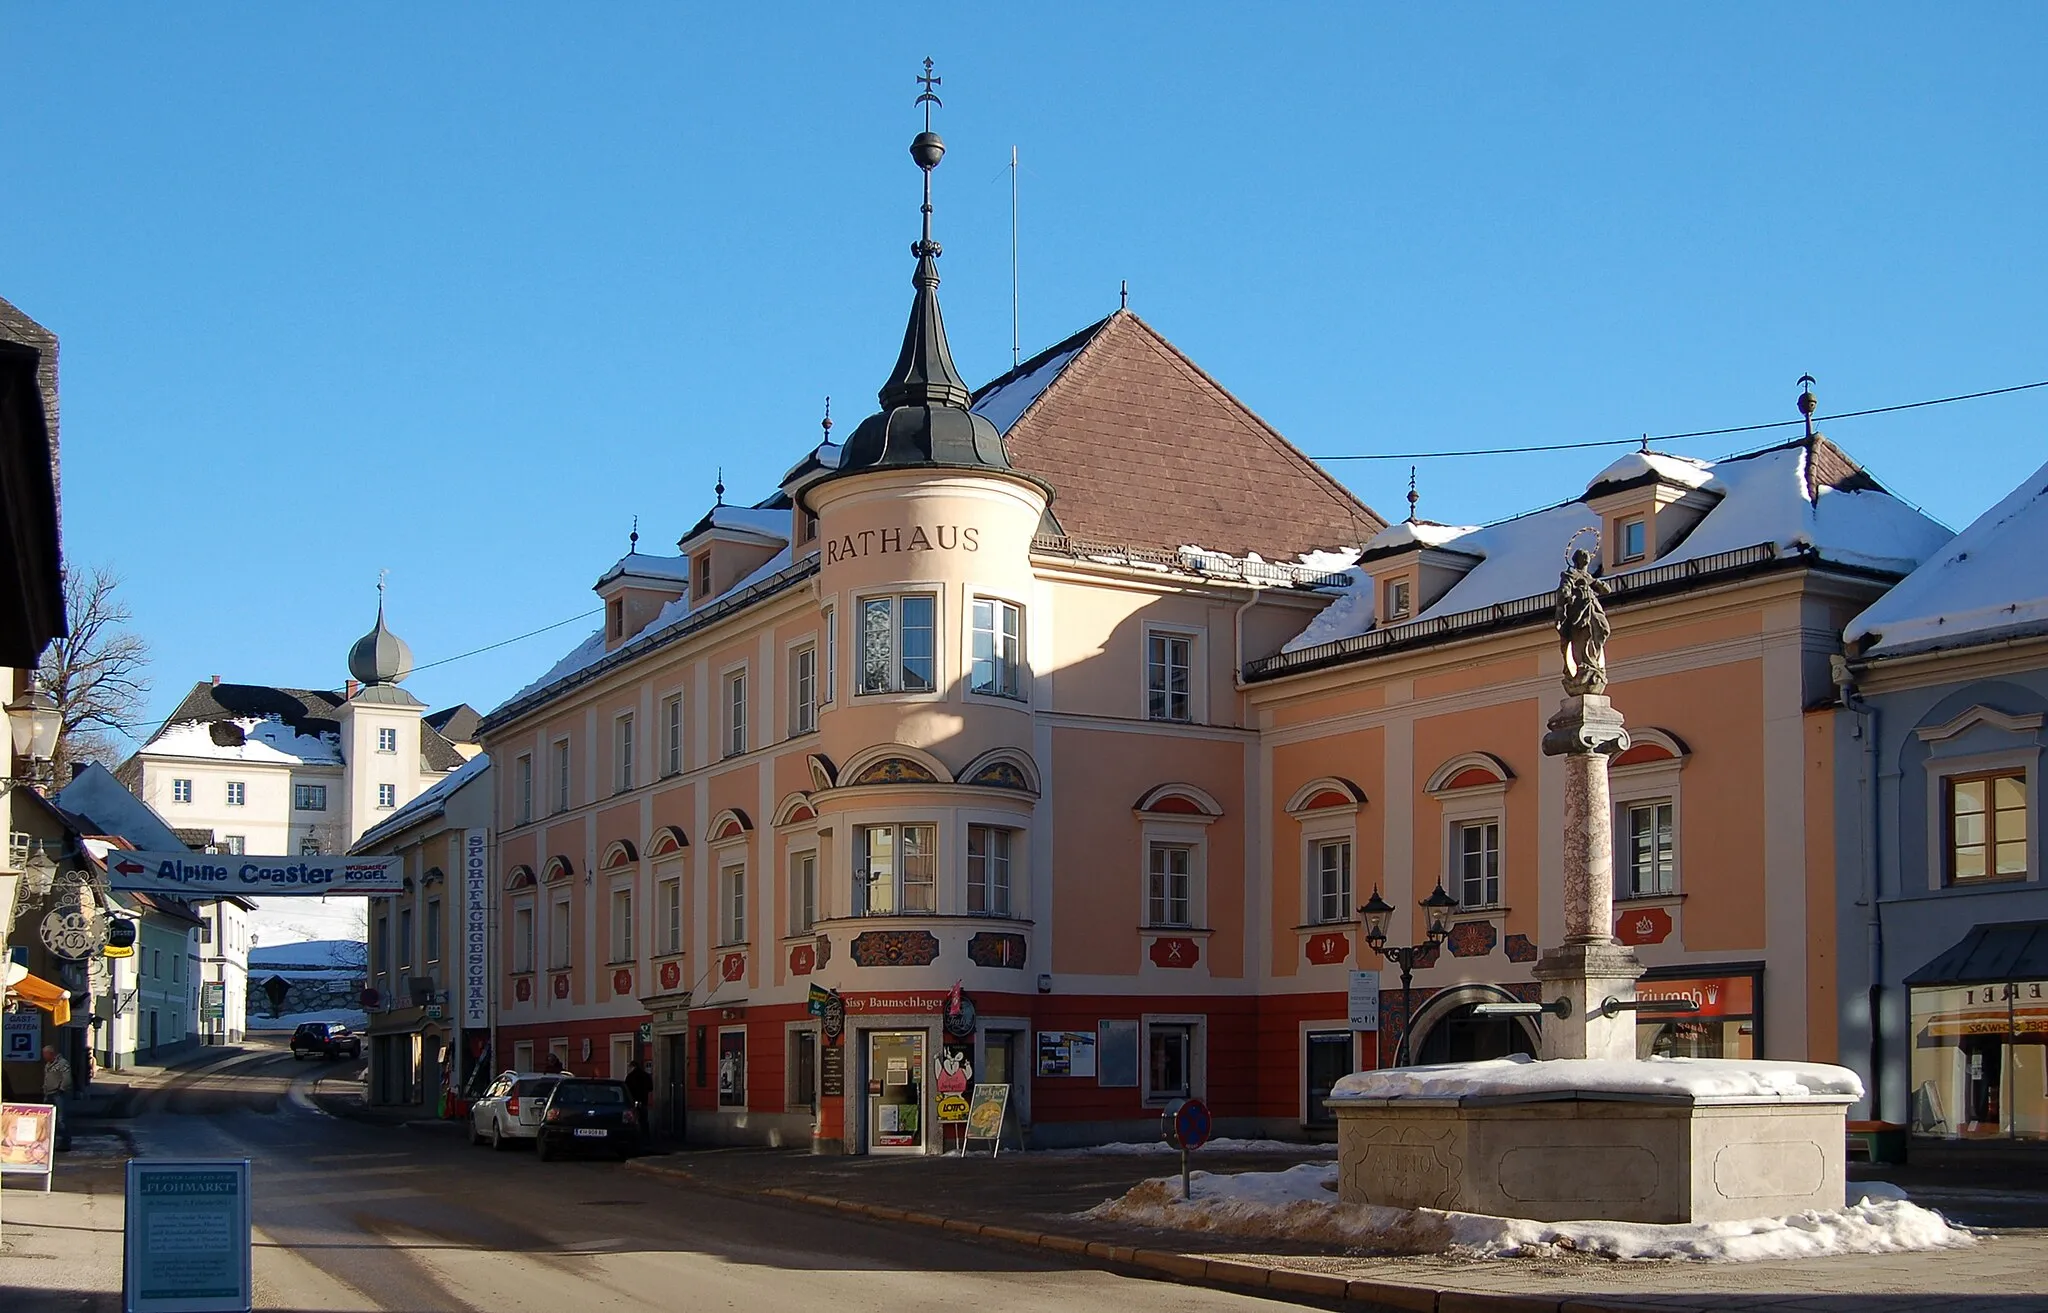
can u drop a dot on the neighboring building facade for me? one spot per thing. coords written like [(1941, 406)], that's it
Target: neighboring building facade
[(225, 938), (1942, 910), (418, 946)]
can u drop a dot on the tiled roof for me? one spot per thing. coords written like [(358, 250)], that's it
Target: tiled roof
[(307, 711), (436, 752), (1143, 448), (197, 838), (457, 724)]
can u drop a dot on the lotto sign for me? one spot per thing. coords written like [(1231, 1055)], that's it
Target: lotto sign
[(476, 930), (186, 1247)]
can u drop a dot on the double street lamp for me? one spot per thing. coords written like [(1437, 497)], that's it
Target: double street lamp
[(1437, 909)]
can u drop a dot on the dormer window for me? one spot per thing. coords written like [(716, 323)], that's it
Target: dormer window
[(1634, 539), (704, 576), (810, 528), (1398, 600), (615, 618)]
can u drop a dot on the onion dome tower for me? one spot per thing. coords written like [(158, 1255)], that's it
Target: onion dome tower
[(380, 656)]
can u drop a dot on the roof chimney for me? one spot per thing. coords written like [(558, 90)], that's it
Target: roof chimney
[(216, 681), (349, 690)]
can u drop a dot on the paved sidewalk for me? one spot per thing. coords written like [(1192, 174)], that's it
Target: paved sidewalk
[(1033, 1198)]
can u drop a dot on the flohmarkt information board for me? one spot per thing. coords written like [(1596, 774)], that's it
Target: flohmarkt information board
[(186, 1242)]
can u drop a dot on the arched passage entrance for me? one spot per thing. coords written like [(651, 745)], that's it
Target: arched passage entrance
[(1446, 1031)]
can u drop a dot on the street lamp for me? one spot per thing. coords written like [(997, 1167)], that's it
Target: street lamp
[(1437, 909), (35, 720)]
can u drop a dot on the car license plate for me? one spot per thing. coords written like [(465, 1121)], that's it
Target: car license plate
[(585, 1133)]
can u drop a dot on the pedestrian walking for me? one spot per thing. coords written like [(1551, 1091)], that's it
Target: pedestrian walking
[(57, 1091), (640, 1086)]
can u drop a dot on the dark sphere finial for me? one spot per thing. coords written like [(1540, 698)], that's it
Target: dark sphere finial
[(927, 150)]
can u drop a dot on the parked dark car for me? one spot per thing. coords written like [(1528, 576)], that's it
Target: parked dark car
[(325, 1039), (587, 1115)]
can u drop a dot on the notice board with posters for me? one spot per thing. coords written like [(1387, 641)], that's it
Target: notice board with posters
[(185, 1243), (28, 1139)]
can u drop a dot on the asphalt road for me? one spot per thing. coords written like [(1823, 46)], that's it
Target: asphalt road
[(411, 1220)]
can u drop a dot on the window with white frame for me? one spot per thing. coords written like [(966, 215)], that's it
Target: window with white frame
[(1169, 676), (803, 690), (522, 789), (732, 905), (703, 577), (622, 925), (309, 797), (561, 762), (1169, 884), (895, 869), (898, 644), (1477, 863), (1332, 881), (1169, 1061), (803, 892), (831, 682), (181, 790), (669, 894), (1649, 854), (558, 933), (236, 844), (672, 735), (238, 793), (1398, 600), (735, 713), (988, 870), (1634, 535), (522, 938), (387, 739), (622, 753), (387, 795), (997, 666)]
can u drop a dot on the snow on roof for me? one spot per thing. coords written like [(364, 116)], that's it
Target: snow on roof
[(649, 567), (1416, 533), (1521, 1075), (579, 656), (767, 521), (266, 740), (1681, 470), (96, 795), (1762, 498), (1351, 613), (1990, 581), (1004, 404), (309, 955), (427, 803)]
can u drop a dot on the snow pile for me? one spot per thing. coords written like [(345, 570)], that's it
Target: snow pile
[(1223, 1145), (1701, 1078), (1300, 1204), (1988, 582), (266, 740), (1351, 613)]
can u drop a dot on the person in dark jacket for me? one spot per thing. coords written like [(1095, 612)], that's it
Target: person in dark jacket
[(640, 1086)]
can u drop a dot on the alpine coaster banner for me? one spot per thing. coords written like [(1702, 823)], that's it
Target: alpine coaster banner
[(205, 875)]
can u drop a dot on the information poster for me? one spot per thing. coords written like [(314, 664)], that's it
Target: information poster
[(1365, 1000), (985, 1112), (187, 1236), (28, 1139), (1066, 1053)]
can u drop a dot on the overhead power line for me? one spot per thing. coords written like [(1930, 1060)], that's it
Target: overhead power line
[(507, 642), (1677, 437)]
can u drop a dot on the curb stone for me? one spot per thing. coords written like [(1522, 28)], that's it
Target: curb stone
[(1232, 1272)]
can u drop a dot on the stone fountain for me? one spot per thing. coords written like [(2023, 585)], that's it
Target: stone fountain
[(1590, 1131)]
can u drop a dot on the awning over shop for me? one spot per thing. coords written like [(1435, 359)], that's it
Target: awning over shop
[(33, 990), (2005, 950)]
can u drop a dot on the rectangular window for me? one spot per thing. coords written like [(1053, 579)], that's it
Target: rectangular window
[(988, 870), (803, 892), (831, 657), (309, 844), (1479, 864), (622, 754), (803, 1070), (387, 795), (671, 895), (181, 790), (732, 1068), (736, 713), (1652, 861), (1635, 539), (622, 925), (380, 950), (558, 934), (561, 775), (1333, 881), (896, 869), (1397, 600), (237, 845), (672, 736), (404, 938), (803, 691), (434, 930), (238, 793), (703, 576), (522, 789), (1169, 1066), (998, 648), (522, 939), (732, 905), (309, 797), (614, 617), (1169, 661), (1168, 886), (896, 644), (1987, 826), (387, 739)]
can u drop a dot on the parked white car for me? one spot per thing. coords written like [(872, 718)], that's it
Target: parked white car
[(511, 1108)]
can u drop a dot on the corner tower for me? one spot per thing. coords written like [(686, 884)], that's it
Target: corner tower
[(380, 730)]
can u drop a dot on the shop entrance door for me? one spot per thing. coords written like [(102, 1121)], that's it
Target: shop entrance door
[(673, 1074), (895, 1091), (1329, 1061), (999, 1067)]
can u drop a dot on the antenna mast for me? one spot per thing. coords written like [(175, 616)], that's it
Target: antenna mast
[(1016, 337)]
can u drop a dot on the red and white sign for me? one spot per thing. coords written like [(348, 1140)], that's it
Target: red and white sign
[(622, 981), (1175, 951), (671, 976), (1642, 925), (1718, 996), (522, 989), (1327, 949), (733, 967), (802, 959), (561, 986)]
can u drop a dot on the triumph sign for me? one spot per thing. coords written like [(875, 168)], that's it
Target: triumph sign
[(211, 875)]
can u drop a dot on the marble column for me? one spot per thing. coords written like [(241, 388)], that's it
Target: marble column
[(1589, 966)]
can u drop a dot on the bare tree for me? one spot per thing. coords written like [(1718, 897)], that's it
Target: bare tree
[(95, 672)]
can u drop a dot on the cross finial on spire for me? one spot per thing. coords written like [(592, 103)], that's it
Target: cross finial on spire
[(1646, 443), (1123, 294), (1413, 497), (926, 97), (927, 150), (1808, 403)]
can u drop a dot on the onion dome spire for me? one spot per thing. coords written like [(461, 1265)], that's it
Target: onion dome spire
[(380, 656), (925, 418)]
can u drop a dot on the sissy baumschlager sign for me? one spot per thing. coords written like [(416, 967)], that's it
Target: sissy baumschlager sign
[(205, 875)]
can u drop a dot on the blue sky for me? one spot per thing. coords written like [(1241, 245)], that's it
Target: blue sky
[(459, 293)]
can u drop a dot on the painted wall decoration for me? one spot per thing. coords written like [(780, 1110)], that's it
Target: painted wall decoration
[(622, 981), (1426, 956), (895, 770), (895, 948), (1473, 938), (990, 948), (803, 959), (671, 977), (523, 990), (733, 966), (1001, 775), (824, 952), (1521, 948), (1642, 925), (1329, 947), (1174, 951), (561, 986)]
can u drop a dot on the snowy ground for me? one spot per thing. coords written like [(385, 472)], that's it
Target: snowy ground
[(291, 1020), (1225, 1145), (1301, 1204)]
